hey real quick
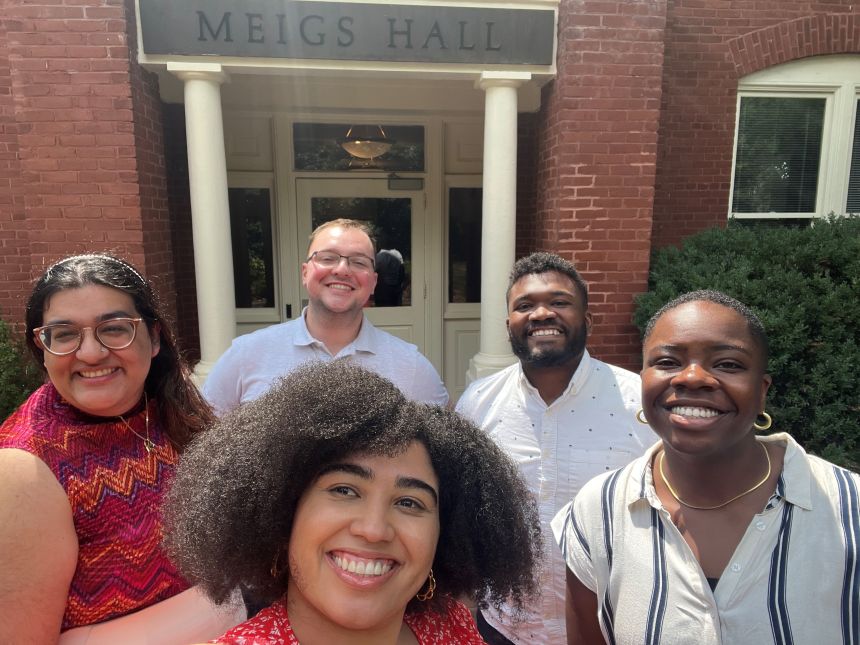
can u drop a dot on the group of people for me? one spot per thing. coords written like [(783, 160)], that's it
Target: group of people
[(321, 475)]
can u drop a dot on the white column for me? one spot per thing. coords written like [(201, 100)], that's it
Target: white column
[(210, 210), (498, 228)]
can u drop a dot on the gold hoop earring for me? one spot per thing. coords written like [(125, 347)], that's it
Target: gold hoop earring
[(431, 587), (640, 417), (275, 570), (768, 422)]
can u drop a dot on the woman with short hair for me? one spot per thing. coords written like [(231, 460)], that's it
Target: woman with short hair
[(717, 534)]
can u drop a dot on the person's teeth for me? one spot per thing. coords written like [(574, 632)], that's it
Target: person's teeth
[(545, 332), (372, 568), (96, 373), (687, 411)]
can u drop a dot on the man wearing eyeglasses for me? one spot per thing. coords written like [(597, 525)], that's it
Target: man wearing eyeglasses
[(339, 276)]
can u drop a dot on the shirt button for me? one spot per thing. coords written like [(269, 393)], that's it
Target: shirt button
[(761, 526), (736, 567)]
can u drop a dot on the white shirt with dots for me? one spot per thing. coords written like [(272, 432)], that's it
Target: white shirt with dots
[(589, 430)]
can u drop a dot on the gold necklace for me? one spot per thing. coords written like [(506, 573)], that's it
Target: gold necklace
[(147, 442), (726, 503)]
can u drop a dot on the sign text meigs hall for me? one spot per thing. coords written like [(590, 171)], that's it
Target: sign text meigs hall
[(346, 31)]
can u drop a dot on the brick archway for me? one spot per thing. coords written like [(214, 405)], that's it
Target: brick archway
[(832, 33)]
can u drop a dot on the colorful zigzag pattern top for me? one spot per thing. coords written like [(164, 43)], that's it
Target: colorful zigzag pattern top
[(115, 490)]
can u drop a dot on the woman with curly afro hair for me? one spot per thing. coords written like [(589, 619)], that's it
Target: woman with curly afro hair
[(360, 515)]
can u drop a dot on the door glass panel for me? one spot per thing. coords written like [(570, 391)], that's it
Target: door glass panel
[(251, 235), (323, 147), (464, 244), (390, 219)]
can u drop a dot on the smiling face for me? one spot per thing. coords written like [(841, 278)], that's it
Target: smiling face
[(363, 541), (703, 378), (340, 289), (96, 380), (548, 323)]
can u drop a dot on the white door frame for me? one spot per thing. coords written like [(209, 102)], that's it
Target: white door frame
[(409, 323)]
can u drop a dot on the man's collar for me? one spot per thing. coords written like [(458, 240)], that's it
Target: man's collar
[(365, 341), (580, 376)]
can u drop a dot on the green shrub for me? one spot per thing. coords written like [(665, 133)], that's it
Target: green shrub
[(18, 376), (805, 286)]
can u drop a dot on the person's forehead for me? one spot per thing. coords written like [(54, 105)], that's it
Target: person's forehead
[(337, 238), (87, 302), (702, 322), (539, 283)]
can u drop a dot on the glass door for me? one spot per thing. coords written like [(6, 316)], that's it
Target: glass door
[(396, 218)]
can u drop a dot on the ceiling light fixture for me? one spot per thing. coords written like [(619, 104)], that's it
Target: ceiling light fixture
[(366, 141)]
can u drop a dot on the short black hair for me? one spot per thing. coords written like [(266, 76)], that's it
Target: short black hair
[(231, 507), (543, 262), (754, 324)]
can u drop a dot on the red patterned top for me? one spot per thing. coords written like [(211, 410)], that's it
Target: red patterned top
[(272, 627), (115, 489)]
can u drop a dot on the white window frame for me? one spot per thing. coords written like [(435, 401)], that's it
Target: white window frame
[(837, 80), (242, 179)]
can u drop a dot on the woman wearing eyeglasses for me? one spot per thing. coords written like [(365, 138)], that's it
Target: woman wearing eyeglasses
[(85, 461)]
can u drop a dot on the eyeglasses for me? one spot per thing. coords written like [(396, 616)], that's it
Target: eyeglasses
[(63, 339), (330, 259)]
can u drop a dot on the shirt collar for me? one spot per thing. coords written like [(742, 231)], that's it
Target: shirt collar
[(796, 474), (366, 340), (577, 381)]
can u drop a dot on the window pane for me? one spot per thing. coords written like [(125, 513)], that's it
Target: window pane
[(390, 219), (853, 204), (779, 149), (251, 233), (320, 146), (464, 244)]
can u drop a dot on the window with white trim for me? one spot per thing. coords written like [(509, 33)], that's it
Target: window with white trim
[(797, 144)]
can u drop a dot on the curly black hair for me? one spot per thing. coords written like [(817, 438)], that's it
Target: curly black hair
[(543, 262), (231, 507)]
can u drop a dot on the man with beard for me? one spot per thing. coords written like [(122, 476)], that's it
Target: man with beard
[(562, 415)]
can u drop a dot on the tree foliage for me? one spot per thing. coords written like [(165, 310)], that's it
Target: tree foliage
[(805, 286), (18, 376)]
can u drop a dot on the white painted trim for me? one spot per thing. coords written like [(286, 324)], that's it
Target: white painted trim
[(261, 179), (837, 80)]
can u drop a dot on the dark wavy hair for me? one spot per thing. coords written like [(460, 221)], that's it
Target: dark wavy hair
[(754, 324), (230, 510), (543, 262), (182, 409)]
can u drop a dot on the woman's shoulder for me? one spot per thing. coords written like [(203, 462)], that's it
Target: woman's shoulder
[(20, 427), (454, 625)]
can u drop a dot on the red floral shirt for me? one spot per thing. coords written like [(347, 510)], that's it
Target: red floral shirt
[(272, 627)]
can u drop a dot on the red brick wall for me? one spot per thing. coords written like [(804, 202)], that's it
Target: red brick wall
[(87, 175), (710, 45), (596, 156), (179, 204), (527, 127), (14, 246), (152, 180)]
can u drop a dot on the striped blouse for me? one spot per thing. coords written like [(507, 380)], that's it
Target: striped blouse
[(794, 577)]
